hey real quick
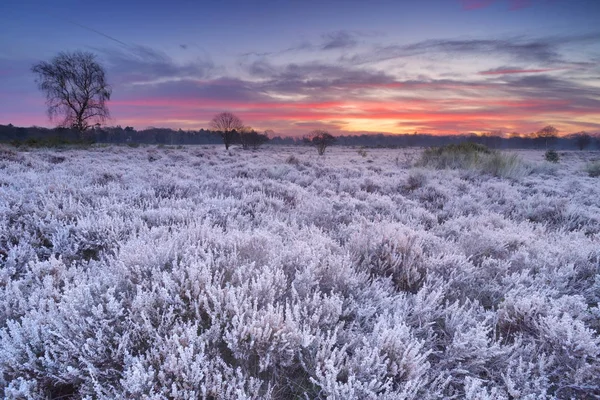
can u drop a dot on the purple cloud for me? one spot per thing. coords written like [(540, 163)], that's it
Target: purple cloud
[(136, 63), (535, 50), (339, 40)]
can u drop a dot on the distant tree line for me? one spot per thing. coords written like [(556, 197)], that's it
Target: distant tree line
[(576, 141), (120, 135), (249, 138)]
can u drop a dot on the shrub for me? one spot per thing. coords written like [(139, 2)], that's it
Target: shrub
[(121, 278), (292, 159), (552, 156), (391, 255), (462, 155), (9, 155), (499, 164), (321, 139), (52, 141), (593, 169), (415, 180), (252, 139), (472, 156), (56, 159)]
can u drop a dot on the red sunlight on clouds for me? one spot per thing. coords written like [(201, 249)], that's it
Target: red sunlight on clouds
[(446, 116), (448, 111), (441, 116)]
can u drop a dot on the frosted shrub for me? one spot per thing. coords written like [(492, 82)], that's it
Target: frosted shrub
[(395, 255), (415, 180), (472, 156), (503, 165), (6, 154), (551, 156), (593, 169), (292, 159), (545, 210), (432, 196), (241, 276)]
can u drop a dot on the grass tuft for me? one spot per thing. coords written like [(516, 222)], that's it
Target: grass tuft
[(472, 156), (593, 169)]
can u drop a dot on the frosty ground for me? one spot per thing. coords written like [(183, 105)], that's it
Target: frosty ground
[(177, 273)]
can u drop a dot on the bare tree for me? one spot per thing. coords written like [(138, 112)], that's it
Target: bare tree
[(583, 140), (321, 139), (76, 88), (548, 133), (252, 139), (228, 126), (244, 136)]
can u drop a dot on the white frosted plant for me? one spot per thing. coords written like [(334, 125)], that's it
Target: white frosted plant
[(238, 275)]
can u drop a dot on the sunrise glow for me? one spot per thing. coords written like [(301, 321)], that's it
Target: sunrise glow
[(363, 72)]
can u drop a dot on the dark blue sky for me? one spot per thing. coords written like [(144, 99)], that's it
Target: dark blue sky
[(348, 66)]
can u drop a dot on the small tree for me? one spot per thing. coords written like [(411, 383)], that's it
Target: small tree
[(76, 88), (548, 133), (244, 136), (228, 126), (252, 139), (583, 140), (321, 139)]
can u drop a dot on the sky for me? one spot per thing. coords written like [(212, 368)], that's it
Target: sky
[(346, 66)]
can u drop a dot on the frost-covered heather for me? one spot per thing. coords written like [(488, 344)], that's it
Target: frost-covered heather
[(154, 273)]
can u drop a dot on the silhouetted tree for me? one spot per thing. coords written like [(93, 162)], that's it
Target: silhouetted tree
[(251, 138), (244, 136), (228, 126), (492, 139), (321, 139), (583, 140), (548, 133), (75, 87)]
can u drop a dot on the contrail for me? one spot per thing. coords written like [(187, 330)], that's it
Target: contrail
[(88, 28)]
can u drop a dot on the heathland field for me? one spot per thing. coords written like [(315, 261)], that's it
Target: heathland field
[(179, 273)]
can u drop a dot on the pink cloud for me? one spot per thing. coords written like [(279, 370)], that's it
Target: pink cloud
[(431, 115), (468, 106)]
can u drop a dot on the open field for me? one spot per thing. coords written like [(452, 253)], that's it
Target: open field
[(164, 273)]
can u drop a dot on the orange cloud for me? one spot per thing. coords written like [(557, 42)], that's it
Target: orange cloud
[(443, 116)]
